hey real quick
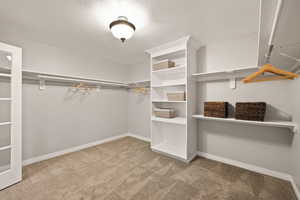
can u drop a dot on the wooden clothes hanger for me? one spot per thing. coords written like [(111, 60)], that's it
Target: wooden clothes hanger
[(281, 74), (141, 90)]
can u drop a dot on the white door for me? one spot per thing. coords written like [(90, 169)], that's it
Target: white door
[(10, 115)]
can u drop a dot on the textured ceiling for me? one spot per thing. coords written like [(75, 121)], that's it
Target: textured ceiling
[(84, 23)]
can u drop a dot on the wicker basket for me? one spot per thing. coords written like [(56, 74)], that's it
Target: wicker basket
[(164, 112), (216, 109), (254, 111), (176, 96), (163, 65)]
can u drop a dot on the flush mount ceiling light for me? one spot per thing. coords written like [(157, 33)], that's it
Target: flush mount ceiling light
[(122, 28)]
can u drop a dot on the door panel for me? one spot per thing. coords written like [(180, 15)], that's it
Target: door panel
[(10, 115)]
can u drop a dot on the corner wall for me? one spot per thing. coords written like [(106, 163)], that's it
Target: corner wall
[(295, 97), (264, 147), (139, 114), (56, 118)]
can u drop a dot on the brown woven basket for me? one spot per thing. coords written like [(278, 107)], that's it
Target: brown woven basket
[(254, 111), (216, 109), (163, 65), (164, 113)]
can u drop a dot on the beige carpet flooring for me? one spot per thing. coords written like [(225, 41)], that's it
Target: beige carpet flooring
[(127, 169)]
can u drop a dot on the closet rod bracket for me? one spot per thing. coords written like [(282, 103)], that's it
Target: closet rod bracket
[(232, 83), (42, 84), (295, 129)]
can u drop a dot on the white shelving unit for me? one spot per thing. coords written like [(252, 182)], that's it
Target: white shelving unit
[(279, 124), (175, 137)]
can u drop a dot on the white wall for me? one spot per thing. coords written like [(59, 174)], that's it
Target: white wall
[(264, 147), (139, 104), (288, 38), (55, 119), (272, 148), (295, 97)]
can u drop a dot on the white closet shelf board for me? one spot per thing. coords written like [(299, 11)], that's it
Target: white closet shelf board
[(166, 101), (70, 79), (33, 75), (168, 85), (170, 150), (279, 124), (176, 120), (225, 74), (172, 70)]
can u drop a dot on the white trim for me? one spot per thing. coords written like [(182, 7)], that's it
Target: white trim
[(296, 189), (243, 165), (70, 150), (4, 168), (78, 148), (139, 137)]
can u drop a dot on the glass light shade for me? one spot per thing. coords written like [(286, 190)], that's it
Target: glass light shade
[(122, 28), (122, 31)]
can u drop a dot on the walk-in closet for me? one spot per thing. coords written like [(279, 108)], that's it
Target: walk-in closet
[(149, 100)]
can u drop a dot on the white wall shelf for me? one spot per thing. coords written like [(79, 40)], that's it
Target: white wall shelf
[(176, 120), (230, 74), (41, 76), (167, 85), (166, 101), (279, 124)]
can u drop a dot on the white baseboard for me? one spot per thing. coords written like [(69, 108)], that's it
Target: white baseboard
[(4, 168), (243, 165), (80, 147), (296, 189), (253, 168), (70, 150), (139, 137)]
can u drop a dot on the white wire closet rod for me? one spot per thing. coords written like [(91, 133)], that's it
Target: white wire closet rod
[(5, 99), (4, 123), (5, 148), (79, 80), (5, 75)]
